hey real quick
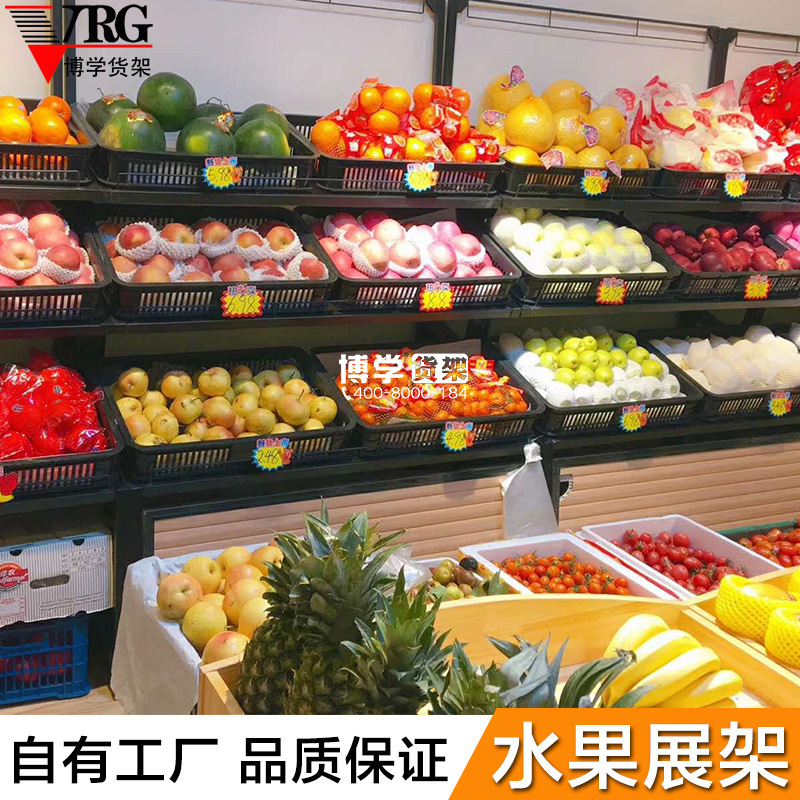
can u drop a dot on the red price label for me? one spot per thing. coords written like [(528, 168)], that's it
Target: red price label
[(242, 301), (757, 287), (611, 292), (436, 297)]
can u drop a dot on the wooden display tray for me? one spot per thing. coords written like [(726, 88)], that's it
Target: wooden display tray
[(588, 623)]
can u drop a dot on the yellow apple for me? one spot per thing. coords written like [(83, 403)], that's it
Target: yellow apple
[(224, 645), (264, 556), (229, 558), (236, 597), (202, 622), (240, 572), (253, 614), (215, 597), (177, 594), (207, 572)]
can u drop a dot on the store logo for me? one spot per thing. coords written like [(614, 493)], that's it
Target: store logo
[(11, 576), (105, 26)]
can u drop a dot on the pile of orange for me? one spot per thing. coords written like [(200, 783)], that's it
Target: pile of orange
[(46, 124)]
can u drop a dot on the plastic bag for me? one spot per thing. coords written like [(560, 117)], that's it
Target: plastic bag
[(527, 506)]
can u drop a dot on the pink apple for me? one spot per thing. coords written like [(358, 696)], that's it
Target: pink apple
[(51, 237), (486, 272), (352, 273), (175, 232), (215, 233), (487, 261), (280, 237), (341, 219), (463, 271), (6, 283), (85, 276), (151, 274), (355, 235), (43, 221), (313, 269), (65, 256), (133, 236), (389, 231), (38, 280), (249, 239), (443, 257), (376, 254), (196, 277), (269, 266), (329, 245), (200, 263), (405, 254), (228, 262), (10, 218), (466, 244), (369, 219), (265, 227), (317, 228), (19, 255), (235, 275), (9, 234), (35, 207), (342, 260), (161, 262), (124, 266), (426, 275), (447, 230), (423, 235)]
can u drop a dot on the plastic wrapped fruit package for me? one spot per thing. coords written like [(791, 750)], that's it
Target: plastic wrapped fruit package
[(46, 410)]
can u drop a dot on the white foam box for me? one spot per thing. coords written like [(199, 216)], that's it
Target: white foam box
[(51, 570), (700, 538), (557, 544)]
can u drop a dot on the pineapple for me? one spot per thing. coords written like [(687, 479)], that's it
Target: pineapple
[(393, 663)]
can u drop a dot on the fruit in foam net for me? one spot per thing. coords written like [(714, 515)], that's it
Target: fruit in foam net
[(531, 124)]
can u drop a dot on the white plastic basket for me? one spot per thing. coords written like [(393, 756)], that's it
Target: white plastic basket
[(701, 538), (556, 544)]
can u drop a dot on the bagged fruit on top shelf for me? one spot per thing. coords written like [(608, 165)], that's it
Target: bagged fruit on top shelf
[(771, 93)]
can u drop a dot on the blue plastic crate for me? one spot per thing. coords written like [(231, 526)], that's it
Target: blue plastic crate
[(44, 660)]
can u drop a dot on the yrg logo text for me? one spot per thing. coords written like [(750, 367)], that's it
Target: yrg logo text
[(105, 26)]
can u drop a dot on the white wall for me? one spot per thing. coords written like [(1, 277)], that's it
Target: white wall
[(19, 74)]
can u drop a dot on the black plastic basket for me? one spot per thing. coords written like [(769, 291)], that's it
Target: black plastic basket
[(691, 185), (717, 285), (361, 175), (393, 295), (149, 301), (606, 418), (522, 180), (793, 192), (44, 305), (49, 164), (419, 436), (580, 289), (182, 171), (71, 472), (232, 456)]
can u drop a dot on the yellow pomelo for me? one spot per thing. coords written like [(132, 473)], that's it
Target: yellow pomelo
[(530, 124), (497, 98), (569, 128), (629, 156), (610, 125), (570, 156), (522, 155), (496, 129), (566, 94), (593, 157)]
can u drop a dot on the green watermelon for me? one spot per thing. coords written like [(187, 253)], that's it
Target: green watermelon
[(209, 109), (133, 130), (169, 98), (102, 110), (262, 111), (261, 138), (206, 137)]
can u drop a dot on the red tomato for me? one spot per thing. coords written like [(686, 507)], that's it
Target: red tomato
[(679, 573), (680, 540)]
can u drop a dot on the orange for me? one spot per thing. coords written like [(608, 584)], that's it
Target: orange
[(71, 140), (465, 153), (369, 99), (48, 127), (397, 100), (415, 148), (374, 152), (384, 122), (57, 104), (9, 101), (422, 95), (327, 135), (14, 126)]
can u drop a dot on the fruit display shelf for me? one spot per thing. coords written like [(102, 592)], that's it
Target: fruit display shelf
[(227, 457), (588, 622), (184, 172), (46, 165), (701, 186), (180, 301)]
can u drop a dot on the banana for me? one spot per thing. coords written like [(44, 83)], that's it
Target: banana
[(729, 703), (634, 633), (677, 675), (706, 691), (650, 656)]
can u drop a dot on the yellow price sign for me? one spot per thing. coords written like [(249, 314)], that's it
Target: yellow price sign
[(458, 436), (436, 297), (272, 454), (594, 182), (420, 176), (222, 172), (780, 403), (242, 301), (633, 418), (757, 287), (736, 184), (611, 292)]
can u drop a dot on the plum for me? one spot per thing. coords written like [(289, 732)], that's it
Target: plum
[(713, 262)]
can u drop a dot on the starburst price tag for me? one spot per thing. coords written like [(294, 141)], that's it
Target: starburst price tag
[(8, 485), (458, 436), (242, 301), (633, 418), (611, 292), (222, 172), (757, 287), (736, 184), (780, 403), (594, 182), (436, 297), (272, 454), (421, 176)]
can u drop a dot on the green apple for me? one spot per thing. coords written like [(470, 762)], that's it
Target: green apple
[(652, 368), (569, 359), (549, 360), (638, 354), (619, 358), (574, 343), (566, 376), (626, 342), (604, 357), (554, 345), (589, 358), (589, 343), (536, 345), (584, 375), (603, 374), (605, 342)]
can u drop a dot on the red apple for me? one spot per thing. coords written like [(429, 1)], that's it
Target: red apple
[(369, 219), (8, 207), (486, 272), (200, 262), (317, 228), (662, 234), (43, 221), (65, 256), (133, 236), (228, 262), (712, 262), (329, 245), (249, 239), (269, 266), (175, 232), (9, 234), (85, 276), (793, 257), (215, 232), (763, 262), (10, 218), (728, 235), (161, 262), (343, 261), (313, 269), (265, 227), (712, 245), (708, 233), (151, 274), (447, 230), (235, 275), (280, 237), (38, 280), (18, 254), (443, 257), (466, 244), (111, 248), (124, 265)]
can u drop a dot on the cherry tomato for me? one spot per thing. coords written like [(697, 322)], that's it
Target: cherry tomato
[(679, 573), (680, 540), (701, 581)]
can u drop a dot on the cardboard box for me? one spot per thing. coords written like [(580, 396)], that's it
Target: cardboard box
[(53, 570)]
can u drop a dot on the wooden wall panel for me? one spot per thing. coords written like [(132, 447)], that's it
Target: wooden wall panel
[(720, 489), (437, 517)]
